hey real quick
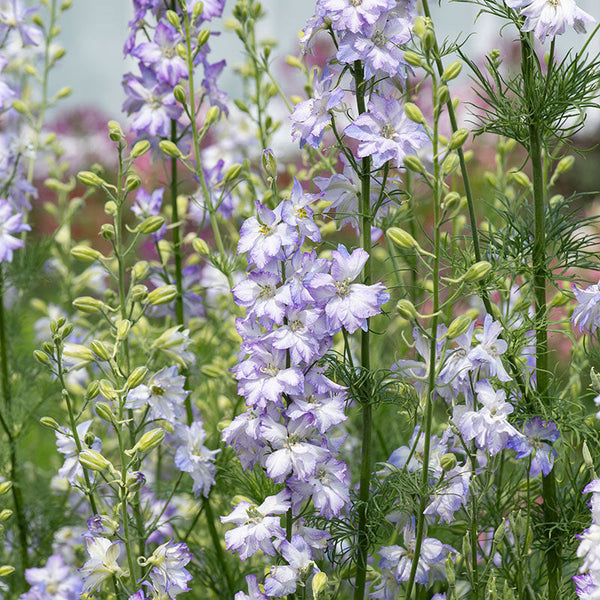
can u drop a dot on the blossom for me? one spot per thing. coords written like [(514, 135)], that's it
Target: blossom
[(549, 18), (385, 132), (352, 15), (193, 457), (296, 212), (537, 442), (587, 312), (168, 575), (348, 304), (489, 350), (10, 223), (312, 116), (66, 445), (102, 563), (254, 592), (282, 580), (164, 394), (54, 581), (148, 204), (256, 525)]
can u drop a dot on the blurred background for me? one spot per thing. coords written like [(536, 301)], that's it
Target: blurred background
[(93, 35)]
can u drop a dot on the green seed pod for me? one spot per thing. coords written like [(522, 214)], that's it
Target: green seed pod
[(93, 389), (233, 172)]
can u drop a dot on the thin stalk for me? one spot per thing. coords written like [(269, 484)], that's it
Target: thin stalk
[(212, 530), (550, 507), (365, 359), (12, 441), (176, 231), (428, 417)]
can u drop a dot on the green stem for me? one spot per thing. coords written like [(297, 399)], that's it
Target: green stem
[(367, 409), (428, 417), (550, 507), (176, 231), (212, 530)]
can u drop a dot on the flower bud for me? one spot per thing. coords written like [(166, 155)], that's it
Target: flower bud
[(448, 462), (459, 326), (151, 439), (92, 390), (151, 224), (89, 304), (111, 209), (65, 91), (136, 378), (6, 570), (212, 371), (115, 133), (521, 179), (107, 389), (140, 148), (90, 459), (179, 93), (459, 137), (135, 481), (499, 533), (5, 514), (319, 584), (413, 163), (86, 253), (200, 246), (104, 411), (450, 571), (565, 164), (212, 114), (139, 292), (133, 183), (197, 12), (477, 271), (452, 71), (233, 172), (123, 329), (402, 238), (42, 358), (452, 201), (78, 351), (269, 163), (140, 270), (170, 149), (407, 309), (412, 58), (162, 295), (49, 422), (101, 350), (90, 179), (5, 487), (443, 95), (413, 112), (419, 27), (202, 38), (173, 19)]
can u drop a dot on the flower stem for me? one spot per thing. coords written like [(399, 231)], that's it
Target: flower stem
[(367, 409), (550, 507)]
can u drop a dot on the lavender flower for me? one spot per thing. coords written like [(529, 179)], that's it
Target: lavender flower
[(282, 580), (65, 444), (537, 442), (168, 575), (311, 117), (54, 581), (490, 348), (296, 212), (352, 15), (10, 223), (549, 18), (587, 312), (254, 592), (102, 563), (148, 204), (386, 133)]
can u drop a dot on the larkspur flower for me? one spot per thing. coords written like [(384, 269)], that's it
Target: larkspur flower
[(168, 574), (537, 443), (262, 297), (385, 132), (254, 591), (587, 312), (549, 18), (193, 457), (66, 445), (487, 354), (311, 117), (148, 204), (257, 526), (10, 223), (296, 212), (352, 15), (282, 580), (54, 581), (348, 304), (102, 564)]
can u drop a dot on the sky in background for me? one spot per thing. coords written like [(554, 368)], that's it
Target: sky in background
[(93, 33)]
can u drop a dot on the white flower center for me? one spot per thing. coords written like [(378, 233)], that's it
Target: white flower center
[(342, 288), (387, 131)]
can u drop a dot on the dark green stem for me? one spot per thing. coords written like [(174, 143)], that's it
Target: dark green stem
[(367, 409), (530, 68), (210, 521)]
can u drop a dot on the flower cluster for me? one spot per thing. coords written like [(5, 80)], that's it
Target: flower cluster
[(588, 583), (295, 303)]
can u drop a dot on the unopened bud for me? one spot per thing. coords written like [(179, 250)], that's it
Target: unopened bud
[(151, 439), (123, 329), (89, 304), (319, 584), (135, 481), (89, 178), (459, 137), (104, 411), (412, 58), (66, 91), (136, 378), (140, 270), (173, 19), (499, 533), (212, 114), (93, 389), (90, 459), (42, 358), (587, 457), (406, 309), (413, 112), (86, 253), (138, 292), (140, 148), (202, 38), (151, 224), (402, 238), (452, 201), (101, 350), (459, 326), (443, 95), (115, 133), (170, 149), (477, 271), (452, 71), (413, 163), (200, 246), (49, 422), (107, 389), (78, 351), (107, 231), (5, 514), (162, 295), (6, 570), (5, 487), (565, 164), (269, 163), (448, 462), (293, 61), (111, 209), (212, 371), (233, 172), (133, 183), (521, 179), (197, 12)]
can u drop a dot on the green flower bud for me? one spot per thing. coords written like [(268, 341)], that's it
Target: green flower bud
[(197, 12), (269, 163), (123, 329), (402, 238), (413, 112), (200, 246), (93, 389), (115, 133), (101, 350), (407, 309), (111, 209), (89, 304), (241, 105), (450, 572), (140, 148), (233, 172), (443, 95), (78, 351), (107, 231), (212, 371), (452, 201), (412, 58), (49, 422), (448, 462), (133, 183), (136, 378), (459, 326), (104, 411), (170, 149), (5, 487), (90, 179), (66, 91), (86, 253), (173, 19), (521, 179), (90, 459), (499, 533), (459, 137), (162, 295), (151, 224), (212, 114), (587, 457), (42, 358), (139, 292), (140, 270), (477, 271), (6, 570), (565, 164), (419, 27), (413, 163), (151, 439), (319, 584), (179, 93), (107, 389), (452, 71), (202, 38), (5, 514)]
